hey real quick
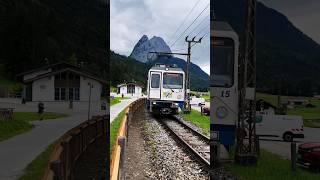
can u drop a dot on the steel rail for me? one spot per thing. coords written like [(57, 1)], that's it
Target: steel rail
[(181, 141)]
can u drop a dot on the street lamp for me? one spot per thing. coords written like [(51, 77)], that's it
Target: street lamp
[(90, 87)]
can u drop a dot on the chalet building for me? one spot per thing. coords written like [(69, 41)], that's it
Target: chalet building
[(130, 89), (60, 82)]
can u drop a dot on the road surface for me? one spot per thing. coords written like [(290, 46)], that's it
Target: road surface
[(278, 146)]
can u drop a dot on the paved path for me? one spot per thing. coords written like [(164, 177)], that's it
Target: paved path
[(17, 152), (117, 108), (283, 149), (198, 108)]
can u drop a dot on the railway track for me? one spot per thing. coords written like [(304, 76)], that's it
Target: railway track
[(193, 141)]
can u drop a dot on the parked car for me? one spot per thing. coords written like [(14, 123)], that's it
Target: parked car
[(309, 155), (206, 111)]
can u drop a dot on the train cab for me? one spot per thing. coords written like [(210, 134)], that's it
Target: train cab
[(224, 49), (166, 89)]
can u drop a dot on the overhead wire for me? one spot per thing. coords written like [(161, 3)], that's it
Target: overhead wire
[(185, 18), (190, 25)]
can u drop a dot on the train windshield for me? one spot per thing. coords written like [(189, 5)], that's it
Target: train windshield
[(222, 62), (172, 80)]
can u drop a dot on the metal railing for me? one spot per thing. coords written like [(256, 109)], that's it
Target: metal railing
[(117, 169), (70, 146)]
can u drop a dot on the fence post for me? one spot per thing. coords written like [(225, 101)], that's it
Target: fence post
[(127, 124), (257, 144), (293, 157), (122, 141), (55, 166)]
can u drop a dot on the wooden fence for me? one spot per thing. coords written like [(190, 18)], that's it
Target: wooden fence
[(118, 152), (69, 147)]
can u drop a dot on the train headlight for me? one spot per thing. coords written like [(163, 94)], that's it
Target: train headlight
[(154, 103), (222, 112), (174, 105)]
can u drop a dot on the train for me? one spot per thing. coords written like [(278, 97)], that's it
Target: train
[(165, 89), (224, 93)]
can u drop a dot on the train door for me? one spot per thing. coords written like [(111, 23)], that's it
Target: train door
[(155, 88)]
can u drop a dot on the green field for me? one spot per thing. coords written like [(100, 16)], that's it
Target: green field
[(311, 116), (271, 167), (201, 121), (114, 127), (20, 123)]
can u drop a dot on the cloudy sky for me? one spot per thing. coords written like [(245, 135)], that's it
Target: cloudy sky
[(130, 19), (304, 14)]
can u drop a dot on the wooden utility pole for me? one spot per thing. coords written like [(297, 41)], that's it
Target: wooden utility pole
[(187, 107)]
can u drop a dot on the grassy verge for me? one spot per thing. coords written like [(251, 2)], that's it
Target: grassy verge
[(201, 121), (114, 127), (271, 167), (313, 123), (116, 100), (20, 123), (311, 116), (36, 168)]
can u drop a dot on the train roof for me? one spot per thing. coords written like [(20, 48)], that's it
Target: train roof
[(221, 26), (165, 68)]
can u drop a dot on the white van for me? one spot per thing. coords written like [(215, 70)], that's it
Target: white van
[(287, 127)]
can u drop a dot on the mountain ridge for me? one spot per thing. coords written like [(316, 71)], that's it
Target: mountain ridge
[(286, 57)]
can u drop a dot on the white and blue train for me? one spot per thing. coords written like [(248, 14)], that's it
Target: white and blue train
[(166, 89), (224, 81)]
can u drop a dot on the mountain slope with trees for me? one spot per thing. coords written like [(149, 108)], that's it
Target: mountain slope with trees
[(38, 32), (286, 57)]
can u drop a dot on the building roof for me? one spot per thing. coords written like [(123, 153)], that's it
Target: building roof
[(130, 83), (58, 68), (166, 67)]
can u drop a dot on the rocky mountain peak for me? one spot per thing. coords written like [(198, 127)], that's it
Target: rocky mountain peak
[(141, 50)]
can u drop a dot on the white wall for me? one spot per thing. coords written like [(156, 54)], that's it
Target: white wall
[(123, 90), (43, 89), (84, 89), (138, 90)]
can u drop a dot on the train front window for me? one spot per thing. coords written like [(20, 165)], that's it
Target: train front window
[(172, 81), (155, 80), (222, 62)]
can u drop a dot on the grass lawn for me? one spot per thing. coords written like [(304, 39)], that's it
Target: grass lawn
[(114, 127), (272, 99), (201, 121), (116, 100), (206, 97), (271, 167), (311, 116), (36, 168), (20, 123)]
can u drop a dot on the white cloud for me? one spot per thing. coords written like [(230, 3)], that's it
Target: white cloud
[(130, 19)]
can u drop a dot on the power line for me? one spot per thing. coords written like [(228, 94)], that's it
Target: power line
[(185, 18), (203, 37), (203, 29), (190, 25), (199, 24)]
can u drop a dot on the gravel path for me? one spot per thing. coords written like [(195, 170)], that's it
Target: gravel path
[(152, 154)]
